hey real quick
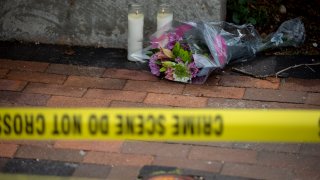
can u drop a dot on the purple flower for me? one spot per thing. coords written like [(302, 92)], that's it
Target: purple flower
[(174, 68), (173, 38), (178, 60), (169, 74), (154, 67), (193, 69), (185, 46)]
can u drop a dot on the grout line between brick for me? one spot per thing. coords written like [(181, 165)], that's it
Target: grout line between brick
[(102, 73), (5, 76), (85, 92), (46, 69), (222, 166), (124, 84), (65, 80), (50, 97), (15, 153), (189, 151), (23, 89), (145, 97)]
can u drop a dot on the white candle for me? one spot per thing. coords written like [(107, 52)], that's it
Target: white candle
[(135, 33), (164, 20)]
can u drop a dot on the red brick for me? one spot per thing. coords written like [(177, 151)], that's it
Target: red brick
[(93, 171), (308, 85), (130, 96), (29, 142), (7, 104), (23, 65), (3, 72), (165, 87), (175, 100), (105, 146), (32, 152), (213, 144), (238, 103), (23, 99), (54, 89), (7, 150), (246, 81), (75, 70), (214, 91), (223, 154), (133, 104), (36, 77), (313, 98), (310, 149), (275, 147), (153, 148), (130, 74), (290, 161), (94, 82), (12, 85), (275, 95), (124, 172), (202, 165), (255, 171), (116, 159), (62, 101), (307, 174)]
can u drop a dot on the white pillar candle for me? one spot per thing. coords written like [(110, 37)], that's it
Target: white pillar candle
[(135, 31), (164, 18)]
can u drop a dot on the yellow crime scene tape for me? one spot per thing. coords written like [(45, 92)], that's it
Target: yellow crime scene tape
[(160, 124)]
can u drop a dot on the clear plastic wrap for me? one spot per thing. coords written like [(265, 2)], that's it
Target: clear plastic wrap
[(290, 33), (190, 52)]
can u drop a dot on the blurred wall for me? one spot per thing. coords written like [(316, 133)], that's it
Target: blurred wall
[(101, 23)]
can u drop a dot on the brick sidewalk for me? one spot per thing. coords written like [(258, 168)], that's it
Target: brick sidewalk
[(25, 83)]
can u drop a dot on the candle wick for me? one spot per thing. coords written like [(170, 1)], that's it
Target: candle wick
[(162, 11), (137, 12)]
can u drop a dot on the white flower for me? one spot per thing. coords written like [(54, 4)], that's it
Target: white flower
[(181, 79)]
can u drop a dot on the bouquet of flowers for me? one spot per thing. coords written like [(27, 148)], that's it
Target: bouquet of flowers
[(191, 51), (174, 56), (174, 62)]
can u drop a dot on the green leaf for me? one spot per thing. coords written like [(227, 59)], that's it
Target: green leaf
[(184, 55), (152, 51), (163, 69), (155, 50), (168, 64), (252, 21), (176, 49), (245, 11), (149, 53), (181, 71), (235, 18), (158, 63), (243, 2)]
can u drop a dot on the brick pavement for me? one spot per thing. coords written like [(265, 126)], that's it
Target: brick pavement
[(25, 83)]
